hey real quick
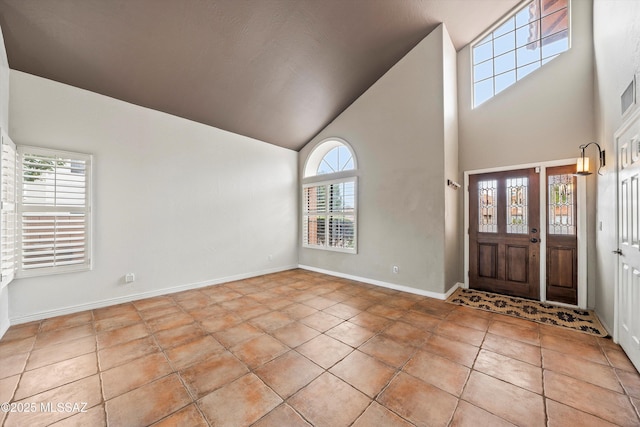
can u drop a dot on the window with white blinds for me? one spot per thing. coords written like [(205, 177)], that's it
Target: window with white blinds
[(54, 212), (7, 211), (329, 207), (329, 215)]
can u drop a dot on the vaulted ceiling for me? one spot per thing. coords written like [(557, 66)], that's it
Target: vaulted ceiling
[(275, 70)]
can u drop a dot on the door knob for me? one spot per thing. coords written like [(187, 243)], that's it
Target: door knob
[(534, 240), (534, 230)]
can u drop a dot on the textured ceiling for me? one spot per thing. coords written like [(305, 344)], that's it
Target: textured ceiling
[(275, 70)]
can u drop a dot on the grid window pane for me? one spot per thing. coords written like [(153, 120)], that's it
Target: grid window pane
[(504, 43), (527, 14), (554, 45), (483, 70), (483, 90), (505, 80), (527, 34), (527, 69), (506, 62), (554, 23), (482, 52), (528, 54), (508, 26), (538, 31), (551, 6)]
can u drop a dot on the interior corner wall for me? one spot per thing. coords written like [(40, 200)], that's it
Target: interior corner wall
[(543, 117), (178, 203), (453, 198), (396, 131), (616, 30), (4, 124)]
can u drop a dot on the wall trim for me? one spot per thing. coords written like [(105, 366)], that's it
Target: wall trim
[(142, 295), (610, 330), (403, 288)]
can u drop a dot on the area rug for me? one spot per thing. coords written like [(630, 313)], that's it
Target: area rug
[(549, 314)]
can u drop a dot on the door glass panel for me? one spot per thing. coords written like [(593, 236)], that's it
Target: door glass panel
[(561, 199), (517, 205), (487, 209)]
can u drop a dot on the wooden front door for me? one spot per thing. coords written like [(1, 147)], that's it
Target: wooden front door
[(504, 237), (562, 237)]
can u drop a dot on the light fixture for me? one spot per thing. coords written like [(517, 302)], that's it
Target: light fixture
[(582, 165)]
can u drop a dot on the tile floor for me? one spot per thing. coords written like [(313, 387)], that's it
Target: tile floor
[(299, 348)]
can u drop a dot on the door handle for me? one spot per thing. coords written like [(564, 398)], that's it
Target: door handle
[(534, 240), (617, 252)]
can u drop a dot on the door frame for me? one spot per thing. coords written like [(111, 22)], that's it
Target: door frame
[(628, 120), (581, 224)]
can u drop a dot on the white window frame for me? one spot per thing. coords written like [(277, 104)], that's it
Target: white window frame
[(8, 230), (312, 179), (86, 210), (329, 213)]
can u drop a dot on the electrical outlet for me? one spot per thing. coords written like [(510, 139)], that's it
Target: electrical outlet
[(129, 277), (270, 257), (395, 269)]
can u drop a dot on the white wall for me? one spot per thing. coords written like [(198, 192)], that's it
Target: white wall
[(176, 202), (617, 56), (4, 124), (452, 198), (397, 130), (543, 117)]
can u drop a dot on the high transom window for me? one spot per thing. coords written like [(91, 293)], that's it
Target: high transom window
[(329, 198), (532, 36)]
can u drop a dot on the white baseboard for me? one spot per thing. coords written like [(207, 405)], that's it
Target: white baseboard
[(609, 330), (142, 295), (403, 288)]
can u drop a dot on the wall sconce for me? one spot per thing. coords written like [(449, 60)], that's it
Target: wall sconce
[(582, 165)]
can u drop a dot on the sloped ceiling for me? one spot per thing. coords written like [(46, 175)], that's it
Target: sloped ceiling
[(275, 70)]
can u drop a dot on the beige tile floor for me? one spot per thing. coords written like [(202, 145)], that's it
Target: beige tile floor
[(300, 348)]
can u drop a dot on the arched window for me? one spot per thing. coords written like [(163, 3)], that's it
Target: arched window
[(329, 197)]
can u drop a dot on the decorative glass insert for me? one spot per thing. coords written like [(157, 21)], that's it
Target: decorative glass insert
[(528, 39), (517, 205), (561, 200), (487, 206)]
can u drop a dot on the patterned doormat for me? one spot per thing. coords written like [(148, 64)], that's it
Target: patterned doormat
[(579, 320)]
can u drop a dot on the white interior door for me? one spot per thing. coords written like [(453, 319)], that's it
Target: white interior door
[(628, 312)]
